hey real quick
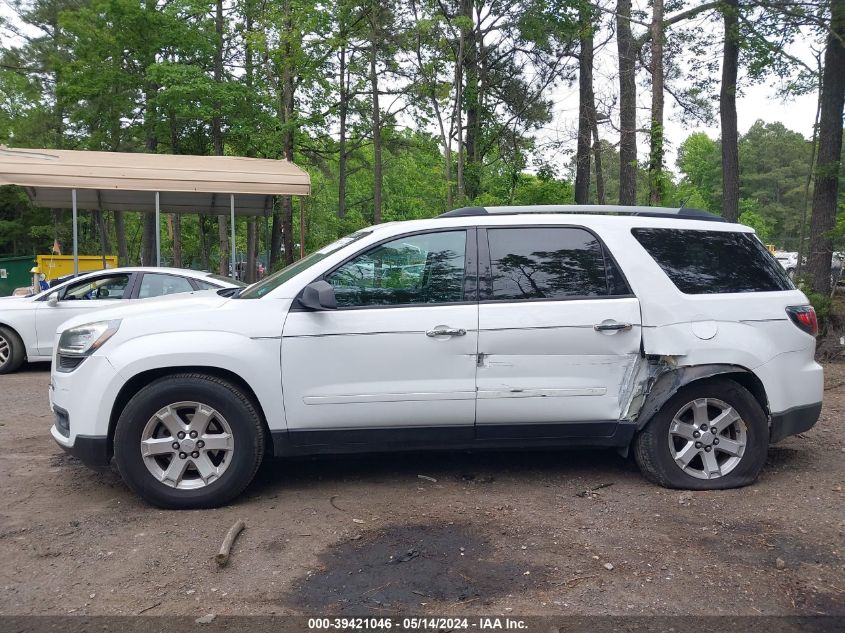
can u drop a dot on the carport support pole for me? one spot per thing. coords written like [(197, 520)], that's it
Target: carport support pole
[(232, 208), (158, 230), (75, 234)]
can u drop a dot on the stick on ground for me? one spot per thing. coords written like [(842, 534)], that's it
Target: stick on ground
[(222, 557)]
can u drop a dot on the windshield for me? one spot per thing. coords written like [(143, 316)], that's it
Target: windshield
[(268, 284), (236, 282)]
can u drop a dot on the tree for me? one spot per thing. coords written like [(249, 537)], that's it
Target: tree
[(627, 104), (727, 112), (826, 189), (586, 106)]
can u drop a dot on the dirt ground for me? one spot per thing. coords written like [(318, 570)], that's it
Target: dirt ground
[(504, 533)]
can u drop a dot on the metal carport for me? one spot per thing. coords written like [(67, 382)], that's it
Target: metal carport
[(116, 181)]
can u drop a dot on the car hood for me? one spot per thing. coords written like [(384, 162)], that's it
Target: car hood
[(15, 303), (171, 305)]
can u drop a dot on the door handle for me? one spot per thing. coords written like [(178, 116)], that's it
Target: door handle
[(611, 326), (446, 331)]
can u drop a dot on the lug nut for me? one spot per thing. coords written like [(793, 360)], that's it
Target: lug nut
[(175, 446), (200, 444), (183, 456), (703, 427), (714, 430), (698, 445), (696, 434), (193, 433), (195, 454), (715, 440), (181, 435), (707, 449)]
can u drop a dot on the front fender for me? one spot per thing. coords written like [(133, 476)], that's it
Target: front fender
[(255, 360)]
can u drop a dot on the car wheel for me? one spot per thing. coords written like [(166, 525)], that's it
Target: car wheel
[(11, 351), (710, 435), (189, 441)]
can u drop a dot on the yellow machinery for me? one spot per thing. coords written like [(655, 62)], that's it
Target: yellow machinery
[(54, 266)]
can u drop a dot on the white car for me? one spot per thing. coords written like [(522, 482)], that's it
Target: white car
[(666, 331), (28, 324)]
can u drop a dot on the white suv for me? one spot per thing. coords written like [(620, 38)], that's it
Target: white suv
[(663, 330)]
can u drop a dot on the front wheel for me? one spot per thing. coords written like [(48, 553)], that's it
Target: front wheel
[(11, 351), (189, 441), (710, 435)]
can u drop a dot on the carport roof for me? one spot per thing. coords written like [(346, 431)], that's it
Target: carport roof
[(118, 181)]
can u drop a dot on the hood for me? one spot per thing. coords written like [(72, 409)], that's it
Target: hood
[(15, 303), (174, 306)]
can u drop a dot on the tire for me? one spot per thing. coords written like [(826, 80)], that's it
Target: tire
[(656, 451), (12, 352), (171, 403)]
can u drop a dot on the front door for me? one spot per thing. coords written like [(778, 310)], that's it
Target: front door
[(559, 334), (88, 295), (398, 355)]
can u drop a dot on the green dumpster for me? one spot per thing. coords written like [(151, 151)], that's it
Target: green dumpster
[(14, 273)]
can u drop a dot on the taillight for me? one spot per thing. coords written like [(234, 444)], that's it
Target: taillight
[(805, 318)]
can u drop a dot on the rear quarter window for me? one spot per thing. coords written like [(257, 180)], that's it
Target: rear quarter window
[(714, 262)]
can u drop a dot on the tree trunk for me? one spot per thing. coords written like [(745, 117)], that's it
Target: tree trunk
[(458, 118), (203, 230), (627, 104), (826, 190), (601, 197), (217, 134), (656, 133), (176, 223), (585, 107), (343, 109), (472, 165), (120, 233), (727, 113), (378, 178), (283, 224), (104, 236), (251, 249)]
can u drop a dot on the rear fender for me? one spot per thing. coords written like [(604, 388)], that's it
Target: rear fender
[(668, 379)]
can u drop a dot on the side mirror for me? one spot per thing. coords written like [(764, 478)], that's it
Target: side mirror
[(318, 295), (53, 300)]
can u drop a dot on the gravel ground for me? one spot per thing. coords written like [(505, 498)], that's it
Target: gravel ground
[(510, 532)]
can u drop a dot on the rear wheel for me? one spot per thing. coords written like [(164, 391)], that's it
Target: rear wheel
[(189, 441), (710, 435), (11, 351)]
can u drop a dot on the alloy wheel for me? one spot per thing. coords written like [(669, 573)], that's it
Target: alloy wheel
[(707, 438), (187, 445), (5, 350)]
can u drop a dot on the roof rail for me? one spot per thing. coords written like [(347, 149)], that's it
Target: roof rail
[(681, 213)]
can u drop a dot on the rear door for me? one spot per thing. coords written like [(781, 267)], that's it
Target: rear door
[(559, 334)]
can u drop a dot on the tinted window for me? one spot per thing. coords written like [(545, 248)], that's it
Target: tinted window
[(111, 287), (156, 285), (550, 263), (708, 262), (418, 269)]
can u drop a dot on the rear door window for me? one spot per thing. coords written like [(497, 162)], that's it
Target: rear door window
[(714, 262), (550, 263)]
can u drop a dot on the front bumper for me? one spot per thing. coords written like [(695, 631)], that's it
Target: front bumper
[(794, 421), (93, 451)]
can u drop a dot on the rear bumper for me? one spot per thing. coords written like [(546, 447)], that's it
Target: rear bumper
[(794, 421), (93, 451)]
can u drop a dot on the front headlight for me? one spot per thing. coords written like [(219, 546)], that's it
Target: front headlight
[(84, 340)]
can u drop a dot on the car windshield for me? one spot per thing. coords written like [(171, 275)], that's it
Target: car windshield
[(235, 282), (260, 289)]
